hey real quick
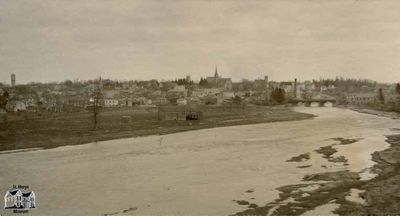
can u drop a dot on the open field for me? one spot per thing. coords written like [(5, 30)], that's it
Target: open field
[(26, 130)]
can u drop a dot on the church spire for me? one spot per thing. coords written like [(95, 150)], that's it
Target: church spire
[(216, 72)]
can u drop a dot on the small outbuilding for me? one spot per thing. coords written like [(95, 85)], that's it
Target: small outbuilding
[(179, 113)]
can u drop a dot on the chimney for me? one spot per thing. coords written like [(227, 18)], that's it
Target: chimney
[(295, 88)]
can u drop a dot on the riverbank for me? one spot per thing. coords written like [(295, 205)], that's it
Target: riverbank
[(382, 194), (344, 192), (24, 130), (393, 115)]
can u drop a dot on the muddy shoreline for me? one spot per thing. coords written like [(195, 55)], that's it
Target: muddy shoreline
[(378, 196), (392, 115)]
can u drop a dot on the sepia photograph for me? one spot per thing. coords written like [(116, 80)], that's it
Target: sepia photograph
[(200, 107)]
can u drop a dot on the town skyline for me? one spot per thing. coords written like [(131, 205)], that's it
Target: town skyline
[(44, 41), (14, 77)]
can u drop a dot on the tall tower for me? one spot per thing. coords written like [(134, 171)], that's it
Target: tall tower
[(12, 80), (100, 82), (216, 72)]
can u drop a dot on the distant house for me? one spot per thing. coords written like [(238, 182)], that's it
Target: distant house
[(128, 102), (181, 101), (148, 102), (110, 102), (194, 100), (261, 84), (161, 100), (392, 98), (110, 93), (143, 101), (323, 88), (224, 97), (241, 94), (360, 99), (54, 107), (198, 93), (331, 87), (167, 85), (287, 86), (179, 113), (179, 89), (212, 91), (30, 102), (210, 100), (19, 106), (16, 106), (77, 102), (228, 95), (260, 97), (292, 89), (18, 199), (175, 93)]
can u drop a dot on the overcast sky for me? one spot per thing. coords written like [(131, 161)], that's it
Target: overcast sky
[(50, 40)]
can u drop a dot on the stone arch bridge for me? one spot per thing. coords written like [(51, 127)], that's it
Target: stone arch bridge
[(308, 102)]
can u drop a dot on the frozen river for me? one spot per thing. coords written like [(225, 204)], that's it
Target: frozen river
[(191, 173)]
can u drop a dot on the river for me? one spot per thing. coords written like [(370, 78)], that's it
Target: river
[(191, 173)]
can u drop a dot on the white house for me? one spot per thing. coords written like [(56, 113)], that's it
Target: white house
[(357, 99), (228, 95), (16, 106), (110, 102), (324, 88), (181, 101), (212, 91)]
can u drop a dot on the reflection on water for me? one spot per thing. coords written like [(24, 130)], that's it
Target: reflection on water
[(192, 173)]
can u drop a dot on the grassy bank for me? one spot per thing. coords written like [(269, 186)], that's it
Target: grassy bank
[(27, 130)]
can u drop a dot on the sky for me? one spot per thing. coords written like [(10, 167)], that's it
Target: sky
[(53, 40)]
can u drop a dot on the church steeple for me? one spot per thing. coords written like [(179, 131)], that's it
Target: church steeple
[(216, 72)]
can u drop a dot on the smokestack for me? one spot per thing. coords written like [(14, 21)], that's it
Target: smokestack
[(12, 80), (295, 88)]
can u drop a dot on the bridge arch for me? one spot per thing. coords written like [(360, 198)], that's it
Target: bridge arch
[(313, 102)]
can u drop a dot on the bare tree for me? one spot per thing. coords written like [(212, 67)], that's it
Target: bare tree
[(381, 96), (397, 102), (398, 88), (96, 97), (4, 96)]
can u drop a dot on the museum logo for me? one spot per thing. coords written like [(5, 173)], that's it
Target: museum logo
[(18, 200)]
